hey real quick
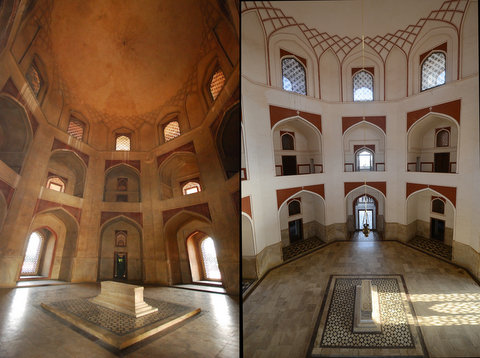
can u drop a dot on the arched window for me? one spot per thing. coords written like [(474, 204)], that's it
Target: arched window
[(56, 183), (362, 86), (433, 70), (34, 78), (76, 128), (364, 159), (122, 142), (171, 130), (216, 83), (443, 138), (287, 142), (294, 208), (32, 255), (294, 76), (438, 206), (191, 188), (209, 259)]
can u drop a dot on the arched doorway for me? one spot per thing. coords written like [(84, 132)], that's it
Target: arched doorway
[(39, 254), (202, 257), (365, 212)]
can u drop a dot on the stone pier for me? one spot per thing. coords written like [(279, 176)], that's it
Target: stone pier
[(367, 309), (122, 297)]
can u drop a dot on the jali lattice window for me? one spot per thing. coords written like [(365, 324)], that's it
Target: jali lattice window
[(55, 183), (438, 206), (34, 79), (443, 138), (362, 86), (294, 76), (294, 208), (287, 142), (433, 70), (209, 258), (171, 130), (122, 142), (191, 188), (32, 255), (76, 128), (216, 84)]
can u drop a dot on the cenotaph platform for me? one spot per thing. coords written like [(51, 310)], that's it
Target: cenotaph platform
[(119, 315)]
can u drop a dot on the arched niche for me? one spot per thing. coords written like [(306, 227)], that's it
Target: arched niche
[(15, 133), (422, 221), (426, 151), (356, 60), (310, 222), (396, 74), (249, 267), (330, 78), (120, 255), (254, 52), (228, 141), (429, 38), (122, 183), (174, 171), (306, 156), (45, 258), (203, 262), (68, 166), (363, 136), (292, 40), (64, 231), (180, 259), (354, 205)]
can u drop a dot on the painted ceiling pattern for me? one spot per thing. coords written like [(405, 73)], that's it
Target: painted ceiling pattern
[(42, 17), (274, 19)]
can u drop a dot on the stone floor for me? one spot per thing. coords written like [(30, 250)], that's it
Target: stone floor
[(432, 246), (360, 236), (301, 247), (280, 315), (27, 330)]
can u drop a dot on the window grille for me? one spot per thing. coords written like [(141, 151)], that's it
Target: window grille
[(34, 79), (191, 188), (171, 130), (287, 142), (293, 208), (362, 86), (442, 138), (32, 255), (433, 70), (55, 183), (122, 142), (216, 84), (438, 206), (76, 128), (209, 256), (294, 77)]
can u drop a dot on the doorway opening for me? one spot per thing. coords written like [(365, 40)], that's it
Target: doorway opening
[(121, 265), (202, 257), (289, 164), (295, 230), (365, 209), (442, 162), (437, 229)]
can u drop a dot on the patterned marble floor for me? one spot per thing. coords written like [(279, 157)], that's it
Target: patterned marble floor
[(432, 246), (28, 331), (280, 314), (301, 247)]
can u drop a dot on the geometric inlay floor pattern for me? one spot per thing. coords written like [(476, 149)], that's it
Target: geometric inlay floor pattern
[(301, 247), (432, 246), (398, 334), (119, 329)]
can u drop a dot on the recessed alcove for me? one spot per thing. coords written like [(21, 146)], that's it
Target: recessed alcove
[(176, 170), (122, 184), (364, 148), (68, 166)]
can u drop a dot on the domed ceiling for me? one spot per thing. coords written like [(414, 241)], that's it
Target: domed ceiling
[(120, 61)]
